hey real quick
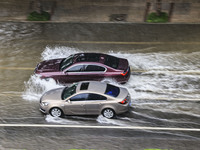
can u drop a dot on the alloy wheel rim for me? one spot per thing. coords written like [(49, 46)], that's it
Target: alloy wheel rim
[(56, 112), (108, 113)]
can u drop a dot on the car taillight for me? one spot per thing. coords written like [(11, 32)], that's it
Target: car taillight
[(125, 72), (125, 101)]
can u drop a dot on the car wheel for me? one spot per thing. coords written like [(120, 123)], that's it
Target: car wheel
[(108, 113), (56, 112)]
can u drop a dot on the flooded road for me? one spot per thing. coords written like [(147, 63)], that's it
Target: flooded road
[(164, 84)]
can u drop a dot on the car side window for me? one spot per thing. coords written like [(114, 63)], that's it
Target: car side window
[(96, 97), (78, 68), (91, 68), (79, 97)]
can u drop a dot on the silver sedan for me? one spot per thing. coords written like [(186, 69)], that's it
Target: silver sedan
[(86, 98)]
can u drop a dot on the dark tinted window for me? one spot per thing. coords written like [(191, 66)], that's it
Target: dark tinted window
[(88, 57), (66, 62), (68, 91), (112, 90), (94, 68), (112, 61), (84, 86), (96, 97), (77, 68), (79, 97)]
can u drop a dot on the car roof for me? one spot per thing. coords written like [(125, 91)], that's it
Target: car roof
[(100, 88), (93, 86), (100, 58), (88, 57)]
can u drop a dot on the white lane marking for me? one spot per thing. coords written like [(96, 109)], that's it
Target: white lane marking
[(100, 127), (170, 99)]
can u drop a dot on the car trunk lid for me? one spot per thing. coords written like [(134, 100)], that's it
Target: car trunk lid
[(123, 64)]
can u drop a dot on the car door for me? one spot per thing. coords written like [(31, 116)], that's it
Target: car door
[(76, 104), (93, 103), (74, 74)]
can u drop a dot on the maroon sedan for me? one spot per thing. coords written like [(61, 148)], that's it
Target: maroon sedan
[(85, 66)]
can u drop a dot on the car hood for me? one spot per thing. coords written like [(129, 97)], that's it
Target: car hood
[(54, 94), (52, 65)]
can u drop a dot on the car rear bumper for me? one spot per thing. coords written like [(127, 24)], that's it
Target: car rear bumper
[(124, 78), (122, 109)]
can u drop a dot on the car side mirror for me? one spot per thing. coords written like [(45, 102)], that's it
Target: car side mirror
[(68, 101)]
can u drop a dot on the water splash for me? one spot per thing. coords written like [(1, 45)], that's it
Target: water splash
[(118, 121), (35, 87), (149, 84), (59, 120), (162, 61), (58, 52)]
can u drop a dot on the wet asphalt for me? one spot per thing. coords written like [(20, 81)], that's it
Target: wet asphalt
[(22, 45)]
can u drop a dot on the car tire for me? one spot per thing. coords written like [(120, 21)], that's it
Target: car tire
[(56, 112), (108, 113)]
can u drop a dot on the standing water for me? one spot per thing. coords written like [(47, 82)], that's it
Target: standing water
[(164, 85), (159, 87)]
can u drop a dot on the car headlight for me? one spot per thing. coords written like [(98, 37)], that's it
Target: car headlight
[(45, 104)]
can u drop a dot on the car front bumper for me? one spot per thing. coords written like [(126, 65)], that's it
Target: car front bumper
[(42, 109)]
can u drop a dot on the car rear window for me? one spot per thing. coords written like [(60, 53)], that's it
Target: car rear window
[(112, 90), (112, 61)]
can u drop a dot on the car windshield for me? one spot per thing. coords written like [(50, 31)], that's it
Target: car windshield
[(66, 62), (68, 91), (112, 90), (112, 61)]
